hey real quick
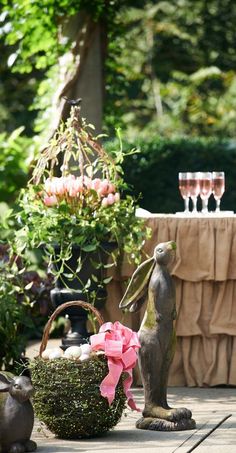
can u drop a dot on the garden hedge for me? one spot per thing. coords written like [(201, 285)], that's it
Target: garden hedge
[(153, 172)]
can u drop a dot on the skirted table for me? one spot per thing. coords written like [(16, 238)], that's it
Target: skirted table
[(205, 277)]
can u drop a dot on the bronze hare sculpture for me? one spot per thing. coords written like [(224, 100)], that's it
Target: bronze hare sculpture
[(152, 281), (16, 415)]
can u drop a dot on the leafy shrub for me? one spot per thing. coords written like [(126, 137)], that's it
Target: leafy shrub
[(24, 306), (15, 151), (14, 312)]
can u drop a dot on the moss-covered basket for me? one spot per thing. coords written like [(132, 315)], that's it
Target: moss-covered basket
[(68, 400), (67, 395)]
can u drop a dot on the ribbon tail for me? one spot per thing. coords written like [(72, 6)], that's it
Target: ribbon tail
[(130, 399), (109, 383)]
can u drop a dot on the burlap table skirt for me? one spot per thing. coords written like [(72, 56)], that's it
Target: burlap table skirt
[(205, 277)]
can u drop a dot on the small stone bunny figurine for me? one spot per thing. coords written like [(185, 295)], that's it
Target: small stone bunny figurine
[(16, 415)]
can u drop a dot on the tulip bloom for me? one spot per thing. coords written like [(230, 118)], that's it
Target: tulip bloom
[(78, 185), (103, 189), (104, 202), (71, 186), (58, 186), (110, 199), (50, 200), (87, 182), (111, 188), (48, 186), (96, 183)]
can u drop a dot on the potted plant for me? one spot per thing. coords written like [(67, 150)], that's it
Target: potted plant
[(73, 208)]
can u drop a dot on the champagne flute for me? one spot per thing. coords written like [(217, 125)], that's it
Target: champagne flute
[(194, 188), (205, 180), (218, 187), (184, 189)]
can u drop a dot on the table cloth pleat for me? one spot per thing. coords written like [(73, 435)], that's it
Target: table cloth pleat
[(205, 277)]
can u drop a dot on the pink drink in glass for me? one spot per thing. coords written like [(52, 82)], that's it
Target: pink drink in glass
[(184, 189), (205, 188), (218, 186), (194, 188)]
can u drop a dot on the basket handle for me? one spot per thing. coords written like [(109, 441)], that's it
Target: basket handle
[(78, 303)]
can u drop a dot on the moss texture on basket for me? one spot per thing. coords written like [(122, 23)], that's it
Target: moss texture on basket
[(68, 400), (67, 395)]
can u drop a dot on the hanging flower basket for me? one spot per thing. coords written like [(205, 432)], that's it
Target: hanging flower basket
[(77, 200), (68, 392)]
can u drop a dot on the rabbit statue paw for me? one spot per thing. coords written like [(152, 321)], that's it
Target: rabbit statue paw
[(28, 446)]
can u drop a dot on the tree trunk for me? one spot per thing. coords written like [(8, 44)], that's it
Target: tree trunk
[(80, 71)]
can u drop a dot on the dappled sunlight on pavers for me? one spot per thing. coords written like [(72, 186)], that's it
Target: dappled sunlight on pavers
[(209, 406)]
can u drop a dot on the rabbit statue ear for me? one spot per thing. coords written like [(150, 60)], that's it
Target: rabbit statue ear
[(138, 284), (5, 383)]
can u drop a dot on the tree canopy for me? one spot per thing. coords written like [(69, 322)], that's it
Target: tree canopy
[(170, 65), (175, 68)]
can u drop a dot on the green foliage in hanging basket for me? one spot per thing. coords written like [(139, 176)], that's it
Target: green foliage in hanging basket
[(68, 400), (76, 197)]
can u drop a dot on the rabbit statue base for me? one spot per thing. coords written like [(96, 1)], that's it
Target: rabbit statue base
[(159, 424), (152, 282), (16, 415)]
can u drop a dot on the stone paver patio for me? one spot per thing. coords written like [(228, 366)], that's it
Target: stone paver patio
[(214, 410)]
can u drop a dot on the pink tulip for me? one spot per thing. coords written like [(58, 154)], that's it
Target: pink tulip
[(87, 182), (67, 182), (103, 189), (96, 183), (110, 199), (104, 202), (59, 186), (50, 200), (111, 188), (78, 185), (72, 192), (51, 186), (69, 187), (48, 186)]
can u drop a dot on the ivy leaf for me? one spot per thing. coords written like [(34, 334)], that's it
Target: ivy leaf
[(29, 286), (89, 247), (107, 280), (69, 276)]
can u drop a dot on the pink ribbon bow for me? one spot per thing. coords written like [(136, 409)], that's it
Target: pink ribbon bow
[(120, 345)]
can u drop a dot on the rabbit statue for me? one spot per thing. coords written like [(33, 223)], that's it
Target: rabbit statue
[(153, 283), (16, 414)]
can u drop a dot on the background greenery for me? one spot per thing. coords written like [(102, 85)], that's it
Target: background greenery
[(170, 65), (153, 172), (169, 72), (169, 82), (175, 68)]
